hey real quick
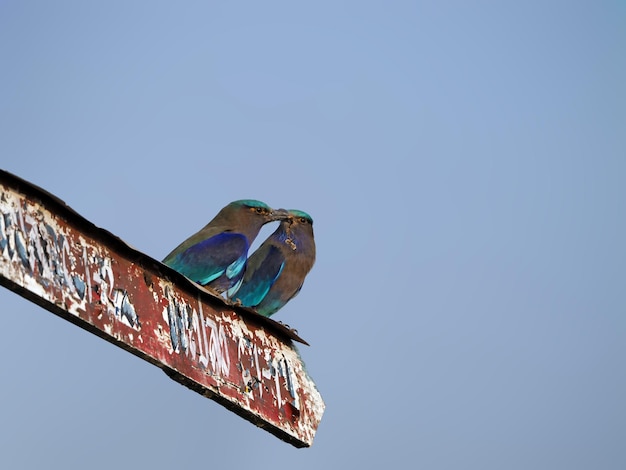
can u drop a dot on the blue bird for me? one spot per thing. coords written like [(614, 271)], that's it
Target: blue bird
[(216, 255), (276, 271)]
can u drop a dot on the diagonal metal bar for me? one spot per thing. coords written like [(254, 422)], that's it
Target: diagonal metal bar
[(86, 275)]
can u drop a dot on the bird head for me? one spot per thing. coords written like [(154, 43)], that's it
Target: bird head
[(259, 209), (299, 233), (299, 224), (300, 217)]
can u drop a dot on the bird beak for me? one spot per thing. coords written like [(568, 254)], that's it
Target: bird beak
[(280, 214)]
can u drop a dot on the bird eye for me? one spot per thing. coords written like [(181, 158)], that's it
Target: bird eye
[(302, 220), (259, 210)]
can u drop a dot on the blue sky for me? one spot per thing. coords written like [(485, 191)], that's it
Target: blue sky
[(465, 167)]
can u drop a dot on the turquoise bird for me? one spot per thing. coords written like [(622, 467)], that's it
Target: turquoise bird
[(216, 255), (276, 270)]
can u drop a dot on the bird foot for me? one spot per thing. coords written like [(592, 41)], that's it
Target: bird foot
[(288, 327)]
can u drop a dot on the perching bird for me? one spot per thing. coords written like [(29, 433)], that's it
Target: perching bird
[(216, 255), (276, 270)]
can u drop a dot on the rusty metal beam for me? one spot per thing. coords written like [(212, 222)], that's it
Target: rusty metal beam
[(54, 257)]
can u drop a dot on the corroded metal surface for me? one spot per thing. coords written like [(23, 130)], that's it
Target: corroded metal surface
[(56, 258)]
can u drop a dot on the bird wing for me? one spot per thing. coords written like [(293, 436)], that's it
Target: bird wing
[(206, 260), (262, 271)]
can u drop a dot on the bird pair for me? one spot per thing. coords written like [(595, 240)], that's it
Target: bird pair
[(217, 255)]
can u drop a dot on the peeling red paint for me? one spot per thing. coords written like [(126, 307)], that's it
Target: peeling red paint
[(248, 363)]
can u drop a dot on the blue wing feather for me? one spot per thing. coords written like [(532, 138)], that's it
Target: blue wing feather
[(209, 259), (264, 273), (235, 268)]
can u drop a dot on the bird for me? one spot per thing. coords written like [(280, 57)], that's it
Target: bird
[(216, 255), (275, 272)]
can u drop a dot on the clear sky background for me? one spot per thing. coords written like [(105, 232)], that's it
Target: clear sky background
[(465, 165)]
